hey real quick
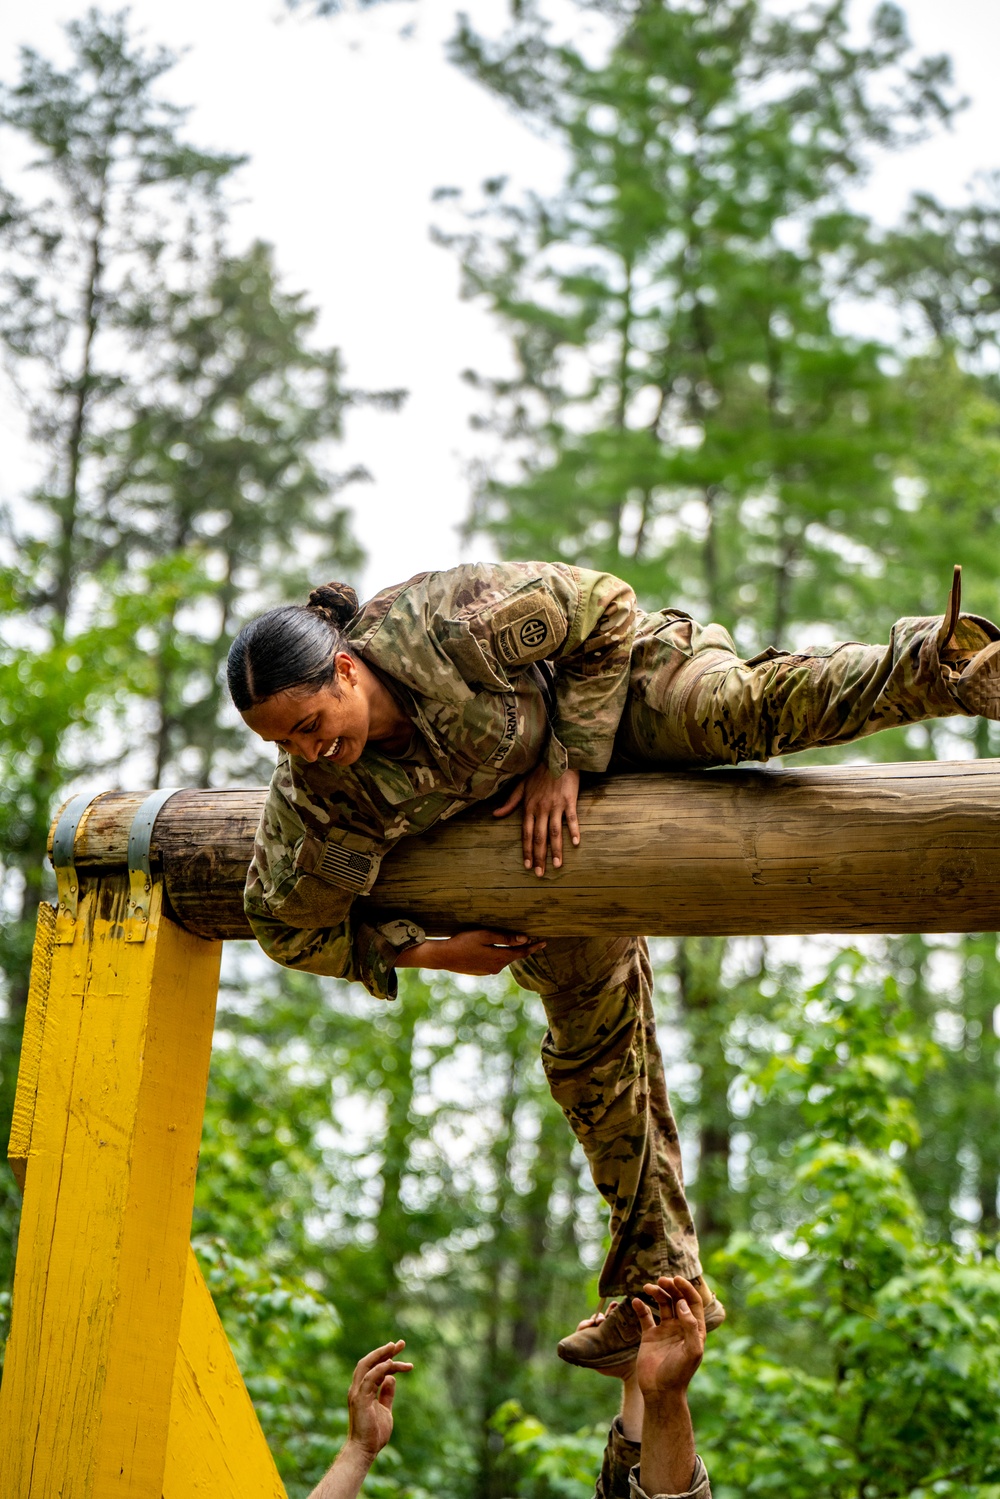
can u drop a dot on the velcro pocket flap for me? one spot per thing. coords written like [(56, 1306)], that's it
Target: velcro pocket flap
[(347, 860)]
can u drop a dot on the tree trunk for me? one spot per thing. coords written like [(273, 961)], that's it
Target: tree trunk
[(699, 977)]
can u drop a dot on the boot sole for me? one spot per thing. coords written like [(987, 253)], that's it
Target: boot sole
[(612, 1361), (715, 1315)]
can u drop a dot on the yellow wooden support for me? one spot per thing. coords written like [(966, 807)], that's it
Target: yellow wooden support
[(119, 1379), (31, 1044), (216, 1449), (119, 1090)]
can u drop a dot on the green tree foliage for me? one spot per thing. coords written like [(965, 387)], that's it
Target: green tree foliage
[(902, 1395), (394, 1170), (685, 403), (180, 411), (689, 407), (107, 171), (222, 500), (180, 416), (877, 1372)]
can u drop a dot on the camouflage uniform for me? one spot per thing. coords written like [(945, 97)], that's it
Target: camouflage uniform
[(501, 667), (619, 1476)]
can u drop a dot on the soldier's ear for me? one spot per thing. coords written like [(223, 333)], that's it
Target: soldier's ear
[(347, 671)]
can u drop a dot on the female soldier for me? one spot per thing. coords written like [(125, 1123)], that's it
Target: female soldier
[(514, 678)]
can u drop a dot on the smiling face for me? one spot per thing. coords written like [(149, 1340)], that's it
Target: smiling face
[(332, 723)]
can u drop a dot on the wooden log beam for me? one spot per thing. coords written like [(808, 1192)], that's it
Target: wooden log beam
[(875, 848)]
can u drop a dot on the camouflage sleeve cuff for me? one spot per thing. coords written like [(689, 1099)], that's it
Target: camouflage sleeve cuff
[(594, 756), (377, 948), (557, 760), (620, 1456), (699, 1488)]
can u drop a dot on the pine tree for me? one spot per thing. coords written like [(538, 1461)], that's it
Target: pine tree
[(685, 408), (119, 202), (180, 416)]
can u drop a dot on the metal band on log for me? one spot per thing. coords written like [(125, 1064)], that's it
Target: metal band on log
[(875, 848)]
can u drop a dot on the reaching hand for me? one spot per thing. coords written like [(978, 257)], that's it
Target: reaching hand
[(477, 952), (547, 800), (671, 1350), (369, 1400)]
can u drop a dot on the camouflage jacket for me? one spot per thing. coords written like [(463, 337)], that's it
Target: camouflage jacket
[(499, 666), (619, 1476)]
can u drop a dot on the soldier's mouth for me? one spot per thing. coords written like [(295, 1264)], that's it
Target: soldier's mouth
[(334, 747)]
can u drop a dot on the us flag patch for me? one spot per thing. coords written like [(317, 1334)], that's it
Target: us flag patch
[(348, 868)]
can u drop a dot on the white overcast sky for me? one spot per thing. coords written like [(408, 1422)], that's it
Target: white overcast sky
[(351, 123)]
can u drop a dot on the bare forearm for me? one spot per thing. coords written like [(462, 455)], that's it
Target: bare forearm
[(478, 952), (632, 1409), (344, 1479), (421, 955), (668, 1455)]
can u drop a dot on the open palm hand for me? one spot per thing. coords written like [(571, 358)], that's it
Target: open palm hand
[(672, 1348)]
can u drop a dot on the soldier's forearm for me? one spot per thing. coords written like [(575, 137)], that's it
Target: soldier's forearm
[(345, 1478), (632, 1408), (668, 1451)]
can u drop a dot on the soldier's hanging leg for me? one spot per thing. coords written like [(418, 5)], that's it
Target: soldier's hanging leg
[(693, 701), (604, 1067)]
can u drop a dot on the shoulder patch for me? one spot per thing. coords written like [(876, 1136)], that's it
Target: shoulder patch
[(345, 859), (526, 629)]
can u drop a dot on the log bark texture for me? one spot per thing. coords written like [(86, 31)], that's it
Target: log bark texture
[(875, 848)]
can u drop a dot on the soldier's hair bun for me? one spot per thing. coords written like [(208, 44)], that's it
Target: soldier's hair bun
[(293, 648), (337, 602)]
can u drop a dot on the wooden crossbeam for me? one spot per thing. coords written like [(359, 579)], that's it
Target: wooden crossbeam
[(874, 848)]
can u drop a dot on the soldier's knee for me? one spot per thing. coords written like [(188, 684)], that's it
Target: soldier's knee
[(582, 966)]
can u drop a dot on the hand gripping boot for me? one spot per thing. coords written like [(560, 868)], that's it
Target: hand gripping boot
[(611, 1345)]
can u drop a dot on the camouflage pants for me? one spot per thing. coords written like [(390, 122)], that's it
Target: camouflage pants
[(693, 701), (604, 1067)]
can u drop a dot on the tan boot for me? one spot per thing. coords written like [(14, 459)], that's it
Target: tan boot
[(978, 687), (612, 1344), (969, 651), (715, 1312), (609, 1345)]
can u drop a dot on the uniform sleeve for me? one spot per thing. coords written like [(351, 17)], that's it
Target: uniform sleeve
[(583, 622), (303, 920), (620, 1456), (699, 1487)]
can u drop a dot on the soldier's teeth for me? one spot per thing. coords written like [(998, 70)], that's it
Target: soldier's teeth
[(334, 747)]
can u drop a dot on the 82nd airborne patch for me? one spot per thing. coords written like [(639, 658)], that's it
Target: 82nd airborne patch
[(526, 630)]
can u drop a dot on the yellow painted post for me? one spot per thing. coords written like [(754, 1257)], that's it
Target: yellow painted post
[(216, 1449), (23, 1117), (119, 1090)]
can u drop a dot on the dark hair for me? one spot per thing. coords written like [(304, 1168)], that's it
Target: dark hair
[(293, 646)]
